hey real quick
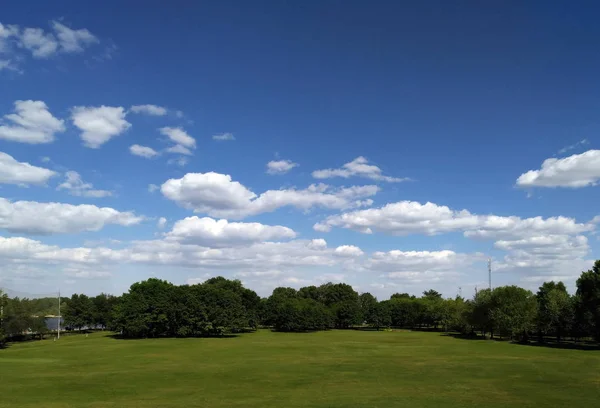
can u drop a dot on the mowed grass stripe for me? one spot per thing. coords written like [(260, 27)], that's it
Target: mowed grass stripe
[(324, 369)]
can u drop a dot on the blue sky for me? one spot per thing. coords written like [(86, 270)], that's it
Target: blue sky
[(366, 112)]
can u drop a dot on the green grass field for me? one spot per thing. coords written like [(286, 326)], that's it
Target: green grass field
[(325, 369)]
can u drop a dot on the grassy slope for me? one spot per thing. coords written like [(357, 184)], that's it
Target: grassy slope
[(327, 369)]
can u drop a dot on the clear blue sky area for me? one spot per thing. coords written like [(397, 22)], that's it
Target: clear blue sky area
[(318, 132)]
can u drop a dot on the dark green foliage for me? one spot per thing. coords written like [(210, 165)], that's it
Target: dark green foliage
[(380, 315), (588, 291), (156, 308), (344, 303), (556, 312), (102, 306), (79, 312), (368, 304), (513, 311), (301, 314)]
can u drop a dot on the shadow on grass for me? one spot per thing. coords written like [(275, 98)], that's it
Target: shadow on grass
[(117, 336), (566, 345)]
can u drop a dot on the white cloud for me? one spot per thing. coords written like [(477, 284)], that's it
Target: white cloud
[(152, 188), (280, 166), (32, 217), (99, 124), (410, 217), (358, 167), (546, 257), (578, 170), (582, 142), (179, 136), (209, 232), (420, 266), (348, 251), (15, 172), (223, 137), (318, 243), (84, 273), (161, 223), (41, 44), (179, 149), (77, 187), (152, 110), (72, 41), (180, 161), (217, 195), (197, 281), (142, 151), (31, 123)]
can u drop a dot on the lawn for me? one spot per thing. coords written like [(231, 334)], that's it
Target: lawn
[(325, 369)]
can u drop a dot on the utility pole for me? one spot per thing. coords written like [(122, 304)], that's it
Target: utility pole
[(58, 323), (490, 272)]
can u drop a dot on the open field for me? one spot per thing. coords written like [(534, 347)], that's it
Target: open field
[(324, 369)]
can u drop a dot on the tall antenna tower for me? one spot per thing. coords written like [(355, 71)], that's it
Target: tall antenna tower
[(459, 291), (490, 272)]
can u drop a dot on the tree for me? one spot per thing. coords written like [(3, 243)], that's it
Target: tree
[(103, 305), (79, 312), (555, 310), (432, 294), (38, 326), (301, 314), (480, 316), (3, 304), (513, 311), (368, 304), (18, 318), (344, 303), (588, 290), (144, 310), (380, 315)]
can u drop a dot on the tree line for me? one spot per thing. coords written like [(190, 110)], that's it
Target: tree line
[(157, 308), (22, 318)]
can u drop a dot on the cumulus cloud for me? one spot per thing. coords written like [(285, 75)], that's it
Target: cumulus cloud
[(280, 166), (358, 167), (84, 273), (15, 172), (582, 142), (578, 170), (223, 137), (15, 41), (161, 223), (31, 217), (546, 257), (411, 217), (72, 41), (153, 187), (218, 233), (40, 43), (180, 161), (217, 195), (31, 123), (179, 149), (348, 251), (179, 136), (142, 151), (420, 266), (77, 187), (152, 110), (318, 243), (99, 124)]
